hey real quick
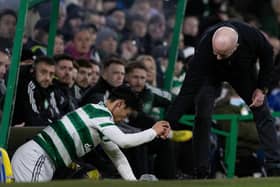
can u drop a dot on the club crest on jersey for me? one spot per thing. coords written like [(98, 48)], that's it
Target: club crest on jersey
[(88, 147)]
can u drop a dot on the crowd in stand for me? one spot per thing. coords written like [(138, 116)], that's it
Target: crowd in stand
[(102, 44)]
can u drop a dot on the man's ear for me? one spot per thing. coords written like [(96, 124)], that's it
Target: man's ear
[(118, 103), (121, 103)]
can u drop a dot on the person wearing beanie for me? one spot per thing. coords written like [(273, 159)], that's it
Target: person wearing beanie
[(106, 42)]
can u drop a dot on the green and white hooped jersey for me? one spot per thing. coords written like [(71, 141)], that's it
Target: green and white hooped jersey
[(75, 134)]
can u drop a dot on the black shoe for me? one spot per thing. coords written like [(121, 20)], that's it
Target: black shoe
[(183, 176)]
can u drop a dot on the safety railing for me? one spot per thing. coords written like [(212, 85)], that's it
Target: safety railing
[(231, 136)]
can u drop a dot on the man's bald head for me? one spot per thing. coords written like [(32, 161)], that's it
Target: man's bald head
[(224, 42)]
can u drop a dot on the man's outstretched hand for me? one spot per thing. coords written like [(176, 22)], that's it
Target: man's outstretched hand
[(257, 98), (162, 129)]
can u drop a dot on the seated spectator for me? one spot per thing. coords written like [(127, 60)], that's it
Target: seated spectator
[(141, 7), (138, 29), (162, 151), (74, 19), (112, 77), (82, 79), (59, 44), (150, 65), (4, 63), (35, 100), (156, 30), (96, 18), (39, 39), (119, 18), (8, 20), (190, 30), (80, 46), (179, 73), (106, 43), (128, 47), (95, 73), (64, 66), (160, 54)]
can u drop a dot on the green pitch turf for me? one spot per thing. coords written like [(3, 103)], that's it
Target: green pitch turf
[(244, 182)]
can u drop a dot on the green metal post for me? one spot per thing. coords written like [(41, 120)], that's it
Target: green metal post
[(33, 3), (53, 26), (231, 147), (231, 137), (13, 74), (173, 51)]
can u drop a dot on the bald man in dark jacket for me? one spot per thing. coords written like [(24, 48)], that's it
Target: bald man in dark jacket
[(228, 51)]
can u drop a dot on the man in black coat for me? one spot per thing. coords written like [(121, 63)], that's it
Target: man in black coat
[(36, 103), (228, 51)]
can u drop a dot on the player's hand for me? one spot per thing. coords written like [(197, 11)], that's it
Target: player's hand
[(257, 98), (162, 129)]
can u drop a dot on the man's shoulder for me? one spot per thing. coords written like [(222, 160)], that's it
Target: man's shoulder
[(96, 110)]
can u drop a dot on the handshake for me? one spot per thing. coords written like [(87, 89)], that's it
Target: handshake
[(162, 128)]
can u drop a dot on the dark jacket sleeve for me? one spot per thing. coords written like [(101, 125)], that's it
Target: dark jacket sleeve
[(265, 52)]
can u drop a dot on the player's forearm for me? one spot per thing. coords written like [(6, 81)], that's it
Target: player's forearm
[(119, 160), (129, 140)]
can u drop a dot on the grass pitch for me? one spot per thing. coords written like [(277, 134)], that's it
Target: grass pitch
[(244, 182)]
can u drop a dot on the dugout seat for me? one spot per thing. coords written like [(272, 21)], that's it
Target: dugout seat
[(20, 135)]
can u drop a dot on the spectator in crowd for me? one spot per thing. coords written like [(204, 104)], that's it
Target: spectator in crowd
[(112, 77), (164, 162), (228, 52), (150, 65), (106, 43), (35, 100), (63, 81), (179, 73), (99, 119), (141, 7), (92, 5), (118, 16), (95, 73), (59, 44), (138, 28), (190, 30), (8, 20), (128, 47), (155, 32), (136, 74), (61, 17), (83, 78), (96, 18), (108, 6), (93, 32), (157, 7), (4, 64), (138, 25), (74, 19), (160, 53), (80, 47), (39, 39)]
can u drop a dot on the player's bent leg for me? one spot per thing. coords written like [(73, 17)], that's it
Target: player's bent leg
[(30, 163)]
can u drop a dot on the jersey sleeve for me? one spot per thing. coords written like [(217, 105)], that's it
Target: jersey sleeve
[(128, 140), (119, 160)]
